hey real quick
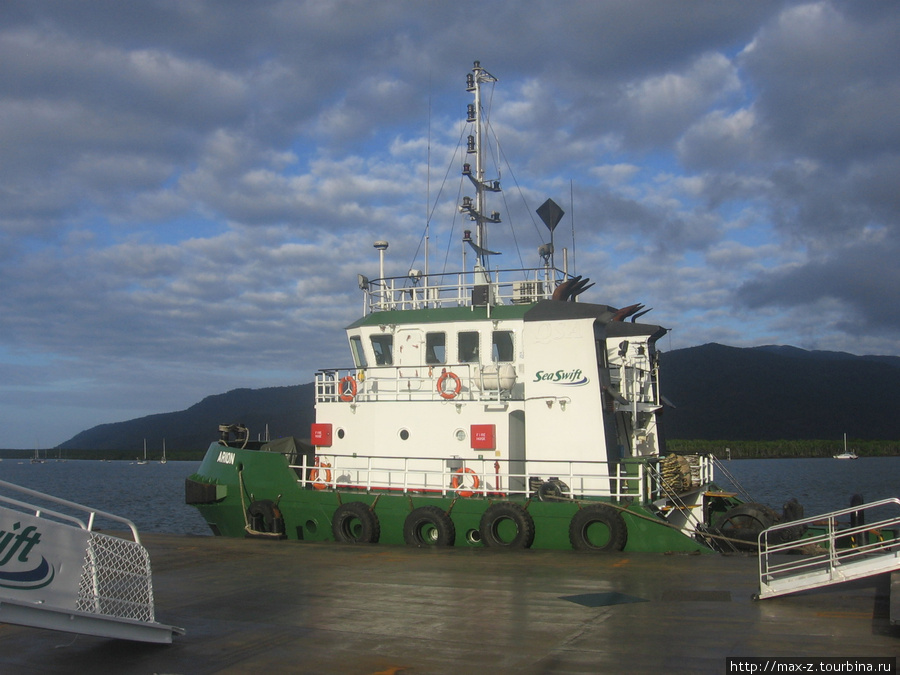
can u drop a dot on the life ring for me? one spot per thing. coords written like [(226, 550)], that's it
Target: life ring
[(355, 523), (458, 482), (317, 483), (457, 385), (598, 528), (506, 525), (347, 388)]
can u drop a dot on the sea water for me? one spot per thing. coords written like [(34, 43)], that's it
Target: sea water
[(819, 484), (152, 495)]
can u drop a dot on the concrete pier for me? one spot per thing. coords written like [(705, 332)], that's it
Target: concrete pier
[(252, 606)]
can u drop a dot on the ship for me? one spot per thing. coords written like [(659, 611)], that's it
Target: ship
[(483, 408)]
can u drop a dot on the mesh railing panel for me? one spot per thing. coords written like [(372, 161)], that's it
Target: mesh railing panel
[(115, 579)]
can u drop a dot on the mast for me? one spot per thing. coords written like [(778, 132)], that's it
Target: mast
[(476, 210)]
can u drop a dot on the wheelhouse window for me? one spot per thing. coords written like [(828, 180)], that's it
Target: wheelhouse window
[(468, 346), (435, 348), (356, 348), (502, 349), (383, 346)]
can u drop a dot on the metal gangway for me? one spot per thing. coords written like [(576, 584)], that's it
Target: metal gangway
[(57, 572), (839, 553)]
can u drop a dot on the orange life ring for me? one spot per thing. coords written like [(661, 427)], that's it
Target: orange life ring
[(457, 385), (314, 475), (458, 482), (347, 388)]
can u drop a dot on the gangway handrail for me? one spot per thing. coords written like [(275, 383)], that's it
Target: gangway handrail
[(69, 577), (831, 564), (91, 513)]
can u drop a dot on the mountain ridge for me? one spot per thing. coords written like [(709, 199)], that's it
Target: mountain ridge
[(771, 392)]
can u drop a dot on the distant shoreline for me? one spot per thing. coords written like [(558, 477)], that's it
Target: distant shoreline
[(783, 449), (721, 449)]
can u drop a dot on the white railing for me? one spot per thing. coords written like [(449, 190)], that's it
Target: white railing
[(839, 554), (40, 512), (98, 580), (456, 290), (412, 383), (638, 480)]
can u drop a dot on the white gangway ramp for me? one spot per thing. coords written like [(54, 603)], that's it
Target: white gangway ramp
[(842, 553), (58, 573)]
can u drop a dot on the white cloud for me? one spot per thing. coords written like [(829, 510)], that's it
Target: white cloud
[(189, 190)]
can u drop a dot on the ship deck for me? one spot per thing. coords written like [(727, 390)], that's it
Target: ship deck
[(252, 606)]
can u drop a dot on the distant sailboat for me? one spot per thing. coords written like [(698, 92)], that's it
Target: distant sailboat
[(163, 459), (845, 454), (144, 461)]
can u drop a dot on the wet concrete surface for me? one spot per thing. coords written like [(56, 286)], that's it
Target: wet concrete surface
[(252, 606)]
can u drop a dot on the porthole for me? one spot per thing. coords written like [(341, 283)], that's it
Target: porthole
[(460, 434), (340, 433), (404, 434)]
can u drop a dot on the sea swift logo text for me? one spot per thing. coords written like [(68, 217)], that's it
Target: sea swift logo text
[(571, 378), (18, 568)]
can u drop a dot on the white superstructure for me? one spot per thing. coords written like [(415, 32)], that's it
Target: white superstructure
[(500, 374)]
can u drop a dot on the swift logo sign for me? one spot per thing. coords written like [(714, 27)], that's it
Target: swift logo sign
[(568, 378), (18, 568)]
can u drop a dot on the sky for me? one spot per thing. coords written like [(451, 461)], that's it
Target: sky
[(188, 189)]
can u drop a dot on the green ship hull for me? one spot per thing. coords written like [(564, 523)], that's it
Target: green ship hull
[(256, 493)]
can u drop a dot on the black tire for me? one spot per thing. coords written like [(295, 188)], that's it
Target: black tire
[(429, 526), (506, 525), (744, 523), (598, 528), (265, 517), (355, 523), (791, 511)]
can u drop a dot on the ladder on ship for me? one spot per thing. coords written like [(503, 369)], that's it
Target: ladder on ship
[(840, 553)]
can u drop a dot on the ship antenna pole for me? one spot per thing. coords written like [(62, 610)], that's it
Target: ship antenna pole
[(481, 75), (480, 234), (427, 191), (476, 210), (572, 209)]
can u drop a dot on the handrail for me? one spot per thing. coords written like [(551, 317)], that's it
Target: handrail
[(404, 383), (455, 289), (92, 514), (731, 479), (830, 563), (616, 480)]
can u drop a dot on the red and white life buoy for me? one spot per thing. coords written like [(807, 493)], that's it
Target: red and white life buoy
[(320, 480), (442, 380), (458, 482), (347, 388)]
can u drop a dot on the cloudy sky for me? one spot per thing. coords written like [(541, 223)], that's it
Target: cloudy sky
[(189, 188)]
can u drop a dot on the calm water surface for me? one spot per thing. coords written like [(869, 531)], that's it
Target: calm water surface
[(152, 495), (820, 485)]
